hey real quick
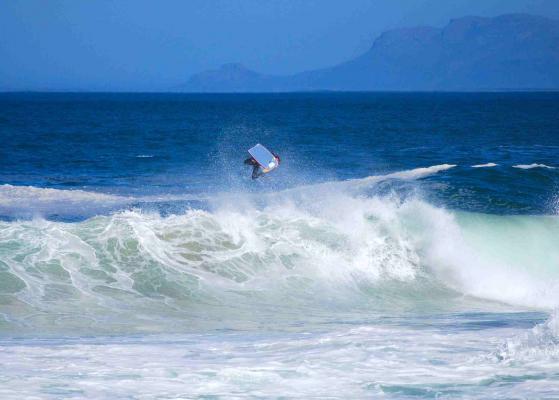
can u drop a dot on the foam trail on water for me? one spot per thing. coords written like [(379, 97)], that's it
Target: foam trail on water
[(416, 173), (531, 166), (488, 165)]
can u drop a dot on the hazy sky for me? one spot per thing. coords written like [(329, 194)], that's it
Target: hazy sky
[(157, 45)]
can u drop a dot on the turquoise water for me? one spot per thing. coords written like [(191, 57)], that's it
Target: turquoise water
[(407, 247)]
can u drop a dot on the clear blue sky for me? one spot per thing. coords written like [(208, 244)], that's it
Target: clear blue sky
[(156, 45)]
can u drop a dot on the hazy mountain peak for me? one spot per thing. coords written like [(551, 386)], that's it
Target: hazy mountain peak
[(512, 51)]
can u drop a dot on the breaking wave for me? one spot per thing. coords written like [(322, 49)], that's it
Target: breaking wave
[(339, 253), (299, 253)]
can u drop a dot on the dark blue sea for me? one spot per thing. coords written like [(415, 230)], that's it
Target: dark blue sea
[(406, 247)]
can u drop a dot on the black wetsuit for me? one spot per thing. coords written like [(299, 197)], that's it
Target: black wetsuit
[(256, 170)]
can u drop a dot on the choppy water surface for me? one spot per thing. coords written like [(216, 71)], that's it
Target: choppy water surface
[(408, 247)]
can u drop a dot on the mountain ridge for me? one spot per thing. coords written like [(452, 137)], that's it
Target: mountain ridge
[(511, 51)]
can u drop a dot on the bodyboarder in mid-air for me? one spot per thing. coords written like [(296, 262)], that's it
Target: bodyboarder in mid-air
[(257, 169)]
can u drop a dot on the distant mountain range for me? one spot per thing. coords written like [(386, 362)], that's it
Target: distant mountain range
[(508, 52)]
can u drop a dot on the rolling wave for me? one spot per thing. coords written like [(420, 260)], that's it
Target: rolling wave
[(143, 271)]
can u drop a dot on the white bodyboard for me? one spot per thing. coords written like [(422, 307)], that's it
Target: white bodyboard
[(264, 157)]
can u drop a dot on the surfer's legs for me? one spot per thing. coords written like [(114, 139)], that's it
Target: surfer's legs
[(256, 172)]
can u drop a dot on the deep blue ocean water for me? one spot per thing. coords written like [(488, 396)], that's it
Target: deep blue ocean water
[(174, 143), (407, 247)]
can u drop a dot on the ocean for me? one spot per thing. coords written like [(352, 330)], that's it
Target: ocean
[(407, 247)]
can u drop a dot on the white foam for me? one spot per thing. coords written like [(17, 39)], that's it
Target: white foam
[(541, 343), (488, 165), (412, 174), (530, 166), (374, 360)]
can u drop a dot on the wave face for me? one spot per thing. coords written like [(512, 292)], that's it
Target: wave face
[(311, 253)]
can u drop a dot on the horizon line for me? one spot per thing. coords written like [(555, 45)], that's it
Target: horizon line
[(317, 91)]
